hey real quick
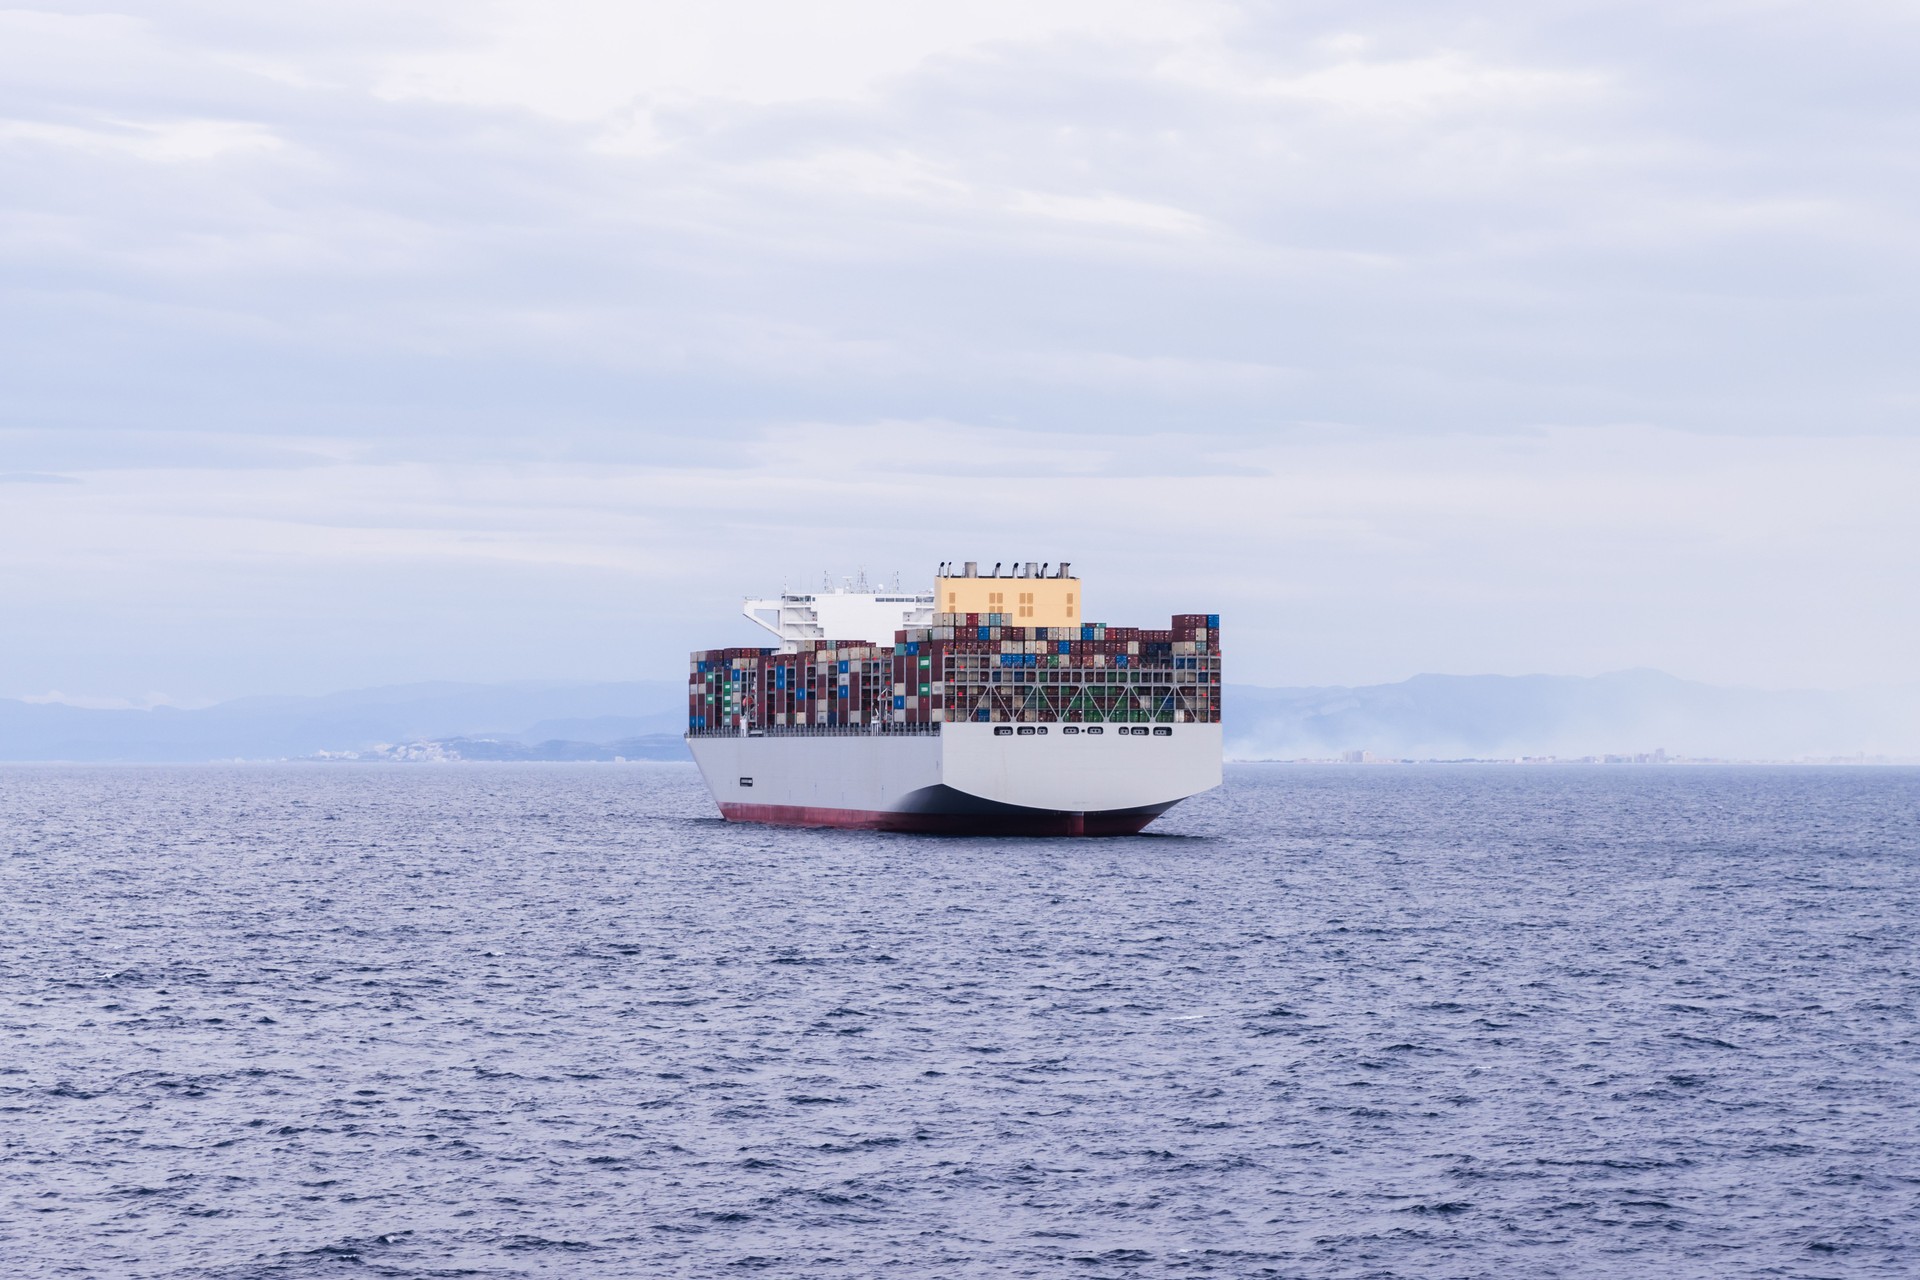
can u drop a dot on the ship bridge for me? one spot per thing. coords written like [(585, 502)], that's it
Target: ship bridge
[(847, 610)]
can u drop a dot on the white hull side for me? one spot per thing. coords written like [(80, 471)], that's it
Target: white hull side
[(855, 772), (966, 774), (1081, 773)]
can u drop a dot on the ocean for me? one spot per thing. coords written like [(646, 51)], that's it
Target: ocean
[(559, 1020)]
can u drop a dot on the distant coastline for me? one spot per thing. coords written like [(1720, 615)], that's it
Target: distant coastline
[(1642, 718)]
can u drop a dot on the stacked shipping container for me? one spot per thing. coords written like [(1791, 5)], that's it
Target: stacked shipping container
[(965, 667)]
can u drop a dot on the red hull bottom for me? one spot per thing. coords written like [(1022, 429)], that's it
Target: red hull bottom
[(1028, 822)]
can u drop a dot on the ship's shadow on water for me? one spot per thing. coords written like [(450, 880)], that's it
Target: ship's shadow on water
[(558, 1020)]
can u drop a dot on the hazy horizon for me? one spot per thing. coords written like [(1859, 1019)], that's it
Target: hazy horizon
[(1427, 717), (352, 345), (57, 697)]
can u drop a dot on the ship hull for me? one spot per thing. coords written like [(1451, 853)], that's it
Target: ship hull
[(962, 779), (1010, 821)]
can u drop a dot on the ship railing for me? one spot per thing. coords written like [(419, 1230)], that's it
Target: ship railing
[(882, 730), (909, 729)]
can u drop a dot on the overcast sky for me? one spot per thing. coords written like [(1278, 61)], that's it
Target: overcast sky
[(349, 343)]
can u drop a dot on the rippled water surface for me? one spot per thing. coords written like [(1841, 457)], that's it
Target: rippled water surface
[(561, 1021)]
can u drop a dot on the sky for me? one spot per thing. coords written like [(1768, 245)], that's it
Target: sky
[(346, 344)]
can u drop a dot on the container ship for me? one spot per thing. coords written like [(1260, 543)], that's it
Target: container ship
[(996, 709)]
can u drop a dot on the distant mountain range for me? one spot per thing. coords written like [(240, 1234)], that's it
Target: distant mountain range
[(1427, 717)]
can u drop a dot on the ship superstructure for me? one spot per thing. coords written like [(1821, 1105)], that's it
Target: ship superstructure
[(846, 608), (1005, 712)]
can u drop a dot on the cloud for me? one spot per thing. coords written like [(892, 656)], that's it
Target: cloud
[(166, 141), (581, 59), (329, 307), (1447, 80), (1455, 225)]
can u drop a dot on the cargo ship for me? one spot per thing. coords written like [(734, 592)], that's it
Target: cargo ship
[(995, 709)]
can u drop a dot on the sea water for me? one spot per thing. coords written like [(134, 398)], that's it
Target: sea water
[(550, 1020)]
